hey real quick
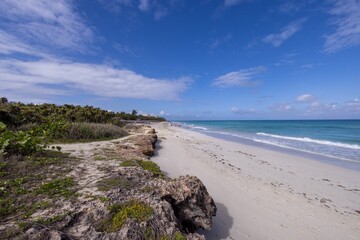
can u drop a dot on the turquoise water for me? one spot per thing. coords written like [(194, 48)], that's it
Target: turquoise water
[(338, 139)]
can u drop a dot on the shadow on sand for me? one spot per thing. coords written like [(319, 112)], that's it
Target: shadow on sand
[(157, 148), (222, 224)]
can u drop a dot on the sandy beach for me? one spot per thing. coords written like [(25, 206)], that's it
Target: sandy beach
[(264, 194)]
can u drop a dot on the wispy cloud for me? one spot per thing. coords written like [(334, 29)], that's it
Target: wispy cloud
[(276, 39), (307, 66), (242, 111), (58, 77), (282, 107), (45, 23), (217, 42), (286, 60), (144, 5), (305, 98), (292, 6), (34, 28), (10, 44), (346, 19), (159, 9), (241, 78), (231, 3)]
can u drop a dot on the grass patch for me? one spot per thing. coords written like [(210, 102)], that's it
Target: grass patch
[(147, 189), (129, 163), (57, 187), (152, 167), (134, 210), (144, 164), (51, 220), (3, 171), (100, 158), (92, 131), (179, 236), (114, 182)]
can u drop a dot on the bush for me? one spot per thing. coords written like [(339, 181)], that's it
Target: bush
[(77, 131), (144, 164), (65, 131), (57, 187), (135, 210), (18, 143)]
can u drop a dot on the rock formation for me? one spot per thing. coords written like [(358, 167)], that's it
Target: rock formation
[(126, 201)]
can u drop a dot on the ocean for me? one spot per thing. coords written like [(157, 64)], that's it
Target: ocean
[(334, 141)]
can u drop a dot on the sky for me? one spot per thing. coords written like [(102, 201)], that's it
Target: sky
[(185, 59)]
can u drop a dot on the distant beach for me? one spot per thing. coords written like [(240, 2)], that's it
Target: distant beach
[(262, 193)]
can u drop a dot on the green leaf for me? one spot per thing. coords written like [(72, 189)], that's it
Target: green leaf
[(2, 126)]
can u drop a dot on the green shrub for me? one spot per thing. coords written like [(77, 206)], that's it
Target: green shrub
[(179, 236), (94, 131), (144, 164), (152, 167), (17, 114), (18, 143), (69, 132), (135, 210), (114, 182), (57, 187), (129, 163)]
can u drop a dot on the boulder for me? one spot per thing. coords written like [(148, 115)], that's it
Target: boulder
[(192, 204)]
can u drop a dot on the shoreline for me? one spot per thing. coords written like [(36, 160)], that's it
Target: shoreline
[(242, 138), (264, 194), (339, 162)]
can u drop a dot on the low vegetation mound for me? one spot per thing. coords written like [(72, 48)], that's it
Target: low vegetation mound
[(17, 114)]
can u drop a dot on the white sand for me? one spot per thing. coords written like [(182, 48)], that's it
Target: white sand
[(263, 194)]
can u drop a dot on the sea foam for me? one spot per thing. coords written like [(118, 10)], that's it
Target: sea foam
[(310, 140)]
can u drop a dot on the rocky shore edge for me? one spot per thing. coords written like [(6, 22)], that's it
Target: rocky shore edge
[(121, 194)]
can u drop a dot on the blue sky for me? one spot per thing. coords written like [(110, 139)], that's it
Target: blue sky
[(182, 59)]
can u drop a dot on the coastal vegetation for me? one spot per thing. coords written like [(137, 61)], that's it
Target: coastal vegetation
[(17, 114), (44, 187), (24, 126), (146, 165)]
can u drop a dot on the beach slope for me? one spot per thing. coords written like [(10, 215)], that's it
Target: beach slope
[(264, 194)]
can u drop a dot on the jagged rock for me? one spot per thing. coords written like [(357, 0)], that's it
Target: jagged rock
[(41, 232), (191, 202), (146, 143), (182, 205)]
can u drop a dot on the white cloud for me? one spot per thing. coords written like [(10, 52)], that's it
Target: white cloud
[(355, 101), (44, 23), (241, 78), (241, 111), (283, 107), (276, 39), (305, 98), (58, 77), (162, 113), (144, 5), (307, 66), (10, 44), (347, 26)]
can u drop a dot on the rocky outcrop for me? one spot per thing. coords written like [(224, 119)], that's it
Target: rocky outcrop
[(134, 205), (146, 141), (179, 207), (191, 202)]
